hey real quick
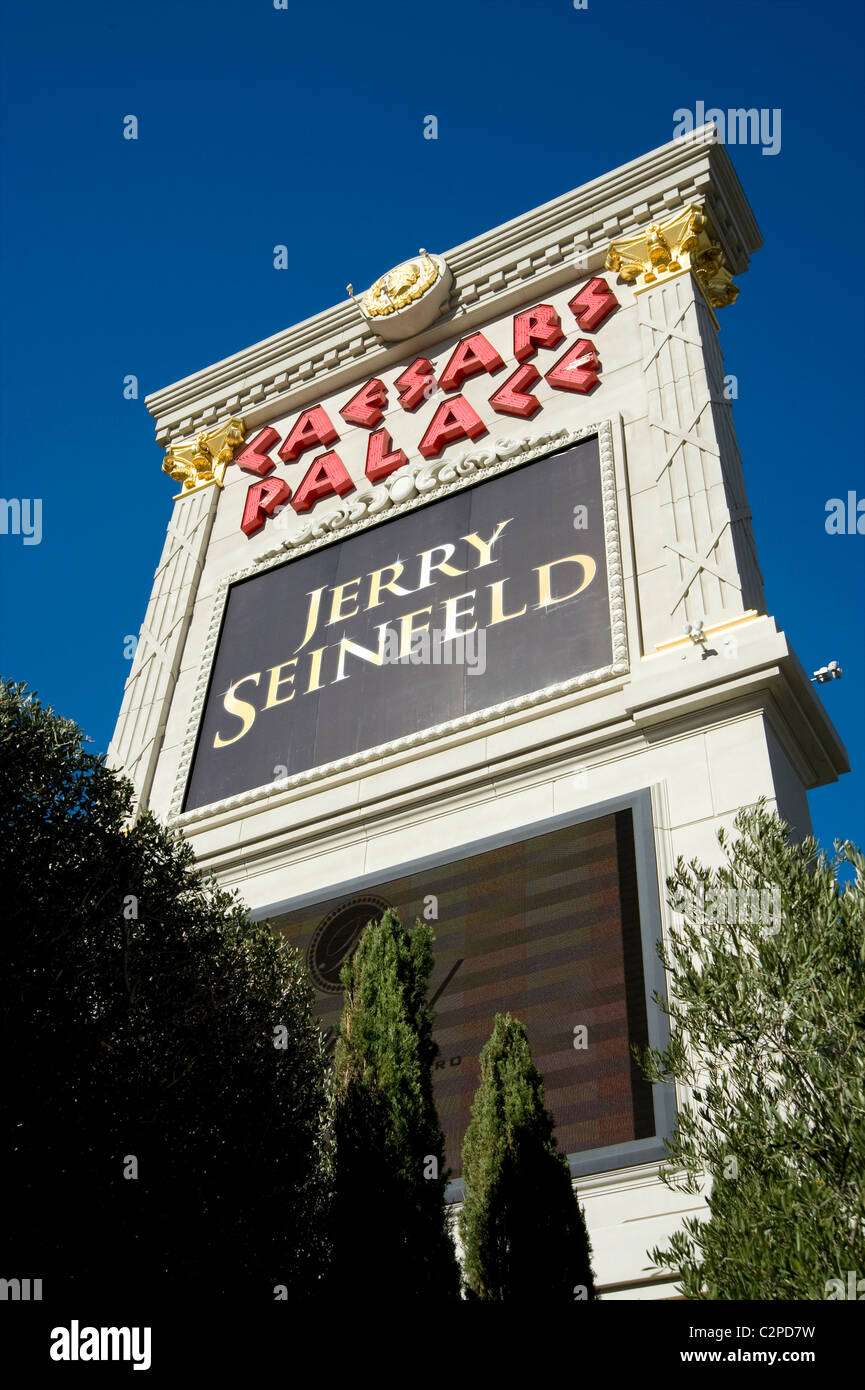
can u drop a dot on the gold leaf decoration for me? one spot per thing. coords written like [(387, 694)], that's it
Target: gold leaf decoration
[(664, 249), (402, 285), (199, 465)]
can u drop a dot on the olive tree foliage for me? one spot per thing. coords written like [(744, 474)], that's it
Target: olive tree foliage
[(766, 964), (165, 1115)]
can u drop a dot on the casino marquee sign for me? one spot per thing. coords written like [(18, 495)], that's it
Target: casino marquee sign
[(495, 584), (576, 368)]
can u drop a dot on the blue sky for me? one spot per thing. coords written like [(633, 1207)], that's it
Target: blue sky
[(304, 126)]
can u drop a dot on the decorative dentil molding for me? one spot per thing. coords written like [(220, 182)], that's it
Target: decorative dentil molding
[(404, 492), (533, 254), (663, 249)]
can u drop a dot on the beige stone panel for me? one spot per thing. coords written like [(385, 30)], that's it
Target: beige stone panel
[(311, 872), (739, 766), (614, 1198), (515, 783), (423, 768), (699, 840), (199, 628), (681, 765), (164, 780), (621, 1252), (792, 800), (234, 551), (646, 1293), (177, 726), (618, 393), (632, 615), (623, 507), (642, 467), (303, 813), (689, 796), (587, 784), (217, 839), (655, 602), (649, 515), (141, 732), (455, 827), (597, 707)]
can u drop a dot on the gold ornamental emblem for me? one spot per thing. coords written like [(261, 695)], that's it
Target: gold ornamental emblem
[(203, 463), (401, 286), (669, 248)]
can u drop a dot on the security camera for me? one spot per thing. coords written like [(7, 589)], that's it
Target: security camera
[(832, 672)]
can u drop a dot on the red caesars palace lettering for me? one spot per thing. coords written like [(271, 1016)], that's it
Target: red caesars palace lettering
[(536, 331)]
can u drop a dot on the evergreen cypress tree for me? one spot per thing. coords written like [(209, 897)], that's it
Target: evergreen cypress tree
[(390, 1229), (521, 1225)]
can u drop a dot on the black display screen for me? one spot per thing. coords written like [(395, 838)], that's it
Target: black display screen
[(488, 594)]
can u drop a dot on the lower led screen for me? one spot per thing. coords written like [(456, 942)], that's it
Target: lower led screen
[(547, 929)]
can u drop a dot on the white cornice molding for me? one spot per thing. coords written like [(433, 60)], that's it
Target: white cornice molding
[(530, 255)]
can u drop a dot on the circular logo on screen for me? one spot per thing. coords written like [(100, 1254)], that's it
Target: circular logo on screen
[(336, 937)]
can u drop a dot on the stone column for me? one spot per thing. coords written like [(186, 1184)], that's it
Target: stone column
[(150, 685)]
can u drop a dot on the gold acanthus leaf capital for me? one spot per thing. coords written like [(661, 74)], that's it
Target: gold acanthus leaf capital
[(664, 249), (199, 465)]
